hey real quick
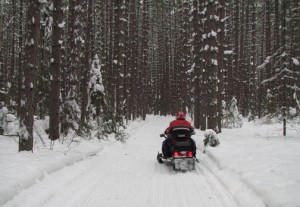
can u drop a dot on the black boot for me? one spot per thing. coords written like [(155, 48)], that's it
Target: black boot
[(159, 158)]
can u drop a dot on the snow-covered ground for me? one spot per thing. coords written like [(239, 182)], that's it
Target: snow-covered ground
[(253, 166)]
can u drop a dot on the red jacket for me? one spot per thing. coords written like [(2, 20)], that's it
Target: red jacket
[(179, 122)]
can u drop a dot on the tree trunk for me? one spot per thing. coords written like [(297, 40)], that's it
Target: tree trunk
[(221, 68), (253, 63), (31, 66), (55, 68), (196, 62), (211, 66), (20, 72), (87, 61)]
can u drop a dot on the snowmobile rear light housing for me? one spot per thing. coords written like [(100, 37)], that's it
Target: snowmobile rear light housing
[(175, 154), (189, 154)]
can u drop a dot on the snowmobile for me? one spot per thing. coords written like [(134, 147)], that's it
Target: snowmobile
[(182, 150)]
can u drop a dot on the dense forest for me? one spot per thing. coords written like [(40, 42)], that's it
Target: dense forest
[(102, 63)]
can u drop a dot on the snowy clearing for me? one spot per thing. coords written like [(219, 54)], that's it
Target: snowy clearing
[(253, 166)]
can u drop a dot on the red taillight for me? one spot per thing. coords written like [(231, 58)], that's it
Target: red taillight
[(189, 154), (175, 154)]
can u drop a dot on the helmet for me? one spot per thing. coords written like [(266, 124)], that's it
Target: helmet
[(180, 115)]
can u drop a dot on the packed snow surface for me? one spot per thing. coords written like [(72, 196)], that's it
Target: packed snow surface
[(253, 166)]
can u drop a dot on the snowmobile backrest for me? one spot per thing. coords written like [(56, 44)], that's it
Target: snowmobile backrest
[(180, 132), (185, 145)]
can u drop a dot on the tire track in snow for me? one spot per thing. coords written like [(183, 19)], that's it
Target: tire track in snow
[(124, 166), (167, 188), (128, 175), (94, 189), (216, 186)]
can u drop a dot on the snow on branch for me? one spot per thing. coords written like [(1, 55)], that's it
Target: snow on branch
[(285, 70), (61, 25), (297, 101), (192, 69), (224, 19), (296, 61), (228, 52), (268, 59), (3, 92), (9, 22)]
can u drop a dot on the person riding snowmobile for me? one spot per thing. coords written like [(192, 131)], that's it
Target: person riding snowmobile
[(179, 122)]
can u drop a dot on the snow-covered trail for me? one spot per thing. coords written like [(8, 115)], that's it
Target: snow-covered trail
[(127, 175)]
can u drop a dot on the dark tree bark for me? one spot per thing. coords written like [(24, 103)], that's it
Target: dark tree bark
[(210, 56), (268, 40), (196, 62), (241, 59), (20, 71), (132, 59), (261, 74), (55, 68), (2, 77), (87, 62), (283, 82), (11, 79), (110, 57), (237, 73), (31, 66), (276, 26), (125, 56), (1, 22), (247, 63), (117, 55), (253, 62), (221, 68), (185, 59), (144, 59)]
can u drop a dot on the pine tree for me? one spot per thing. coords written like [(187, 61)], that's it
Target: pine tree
[(132, 60), (31, 64), (211, 63), (195, 69), (144, 59), (55, 69), (96, 90), (87, 61), (221, 67), (253, 63)]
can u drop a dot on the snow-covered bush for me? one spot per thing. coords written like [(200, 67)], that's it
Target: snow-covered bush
[(269, 105), (7, 121), (84, 130), (109, 123), (10, 122), (72, 122), (3, 112), (71, 113), (211, 138), (112, 124), (231, 116), (96, 90)]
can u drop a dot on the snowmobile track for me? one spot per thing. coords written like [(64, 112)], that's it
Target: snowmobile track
[(128, 175)]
